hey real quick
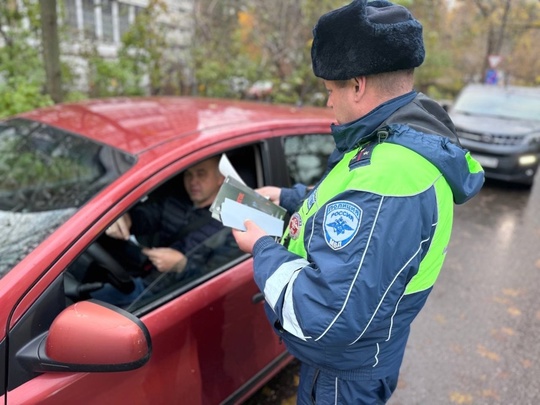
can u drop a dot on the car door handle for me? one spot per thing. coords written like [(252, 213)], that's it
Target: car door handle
[(257, 298)]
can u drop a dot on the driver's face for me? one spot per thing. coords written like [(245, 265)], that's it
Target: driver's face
[(202, 182)]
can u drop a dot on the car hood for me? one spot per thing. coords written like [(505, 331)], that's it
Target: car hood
[(493, 125)]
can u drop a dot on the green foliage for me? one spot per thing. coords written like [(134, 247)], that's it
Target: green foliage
[(140, 65), (113, 77), (212, 82), (19, 95), (267, 41), (239, 42), (144, 47), (22, 75)]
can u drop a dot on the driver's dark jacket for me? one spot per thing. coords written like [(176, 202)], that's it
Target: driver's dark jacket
[(180, 226)]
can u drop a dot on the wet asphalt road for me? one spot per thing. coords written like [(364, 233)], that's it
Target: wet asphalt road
[(477, 340)]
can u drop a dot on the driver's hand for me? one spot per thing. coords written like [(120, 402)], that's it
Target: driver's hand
[(166, 259), (121, 229)]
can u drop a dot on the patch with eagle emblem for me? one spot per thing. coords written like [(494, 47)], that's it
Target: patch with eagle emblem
[(295, 224), (341, 223)]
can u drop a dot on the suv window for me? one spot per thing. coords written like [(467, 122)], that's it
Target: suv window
[(507, 102), (307, 156)]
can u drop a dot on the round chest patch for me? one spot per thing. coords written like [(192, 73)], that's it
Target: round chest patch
[(341, 223), (294, 225)]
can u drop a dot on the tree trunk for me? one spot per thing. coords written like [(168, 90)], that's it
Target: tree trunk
[(51, 48)]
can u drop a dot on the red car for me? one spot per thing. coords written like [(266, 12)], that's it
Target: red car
[(66, 174)]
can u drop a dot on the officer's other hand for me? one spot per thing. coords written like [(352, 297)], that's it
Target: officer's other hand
[(270, 192), (246, 239), (121, 229)]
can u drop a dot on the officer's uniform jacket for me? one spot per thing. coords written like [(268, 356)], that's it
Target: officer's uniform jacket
[(365, 246)]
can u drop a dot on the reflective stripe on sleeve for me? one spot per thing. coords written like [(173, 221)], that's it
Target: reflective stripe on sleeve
[(290, 323), (278, 281)]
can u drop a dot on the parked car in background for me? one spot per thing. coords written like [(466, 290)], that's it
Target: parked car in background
[(500, 126), (66, 174)]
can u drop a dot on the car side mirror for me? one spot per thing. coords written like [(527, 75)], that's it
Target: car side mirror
[(90, 336)]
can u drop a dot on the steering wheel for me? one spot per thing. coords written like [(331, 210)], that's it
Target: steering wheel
[(116, 274)]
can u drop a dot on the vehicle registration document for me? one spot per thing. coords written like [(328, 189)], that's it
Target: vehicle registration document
[(236, 202)]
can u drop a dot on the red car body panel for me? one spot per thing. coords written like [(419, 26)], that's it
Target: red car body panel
[(141, 124), (215, 326)]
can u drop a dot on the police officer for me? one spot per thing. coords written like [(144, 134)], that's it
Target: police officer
[(365, 245)]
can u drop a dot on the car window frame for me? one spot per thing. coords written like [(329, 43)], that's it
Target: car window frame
[(178, 289)]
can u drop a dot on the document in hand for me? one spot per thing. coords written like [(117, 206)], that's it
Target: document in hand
[(237, 202)]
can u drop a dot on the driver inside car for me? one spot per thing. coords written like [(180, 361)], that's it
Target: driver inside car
[(181, 233)]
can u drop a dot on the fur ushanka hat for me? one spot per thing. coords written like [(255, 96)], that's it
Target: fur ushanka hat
[(365, 38)]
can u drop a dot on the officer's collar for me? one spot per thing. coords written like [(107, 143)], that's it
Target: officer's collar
[(349, 135)]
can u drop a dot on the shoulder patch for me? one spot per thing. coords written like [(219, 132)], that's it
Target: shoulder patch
[(363, 157), (295, 223), (341, 223)]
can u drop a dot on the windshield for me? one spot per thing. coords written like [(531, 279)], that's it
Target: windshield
[(46, 174), (506, 103)]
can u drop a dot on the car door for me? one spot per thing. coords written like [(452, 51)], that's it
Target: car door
[(211, 341)]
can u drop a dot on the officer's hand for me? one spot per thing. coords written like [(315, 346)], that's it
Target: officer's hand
[(166, 259), (246, 239), (121, 229), (270, 192)]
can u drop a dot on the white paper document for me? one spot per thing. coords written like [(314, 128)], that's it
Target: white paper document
[(234, 214), (227, 169)]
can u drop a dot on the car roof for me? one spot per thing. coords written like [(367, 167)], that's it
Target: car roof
[(141, 123), (499, 89)]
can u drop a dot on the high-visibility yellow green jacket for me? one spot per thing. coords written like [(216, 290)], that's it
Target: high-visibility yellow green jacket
[(365, 246)]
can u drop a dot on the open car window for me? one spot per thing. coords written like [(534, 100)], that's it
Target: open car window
[(209, 247)]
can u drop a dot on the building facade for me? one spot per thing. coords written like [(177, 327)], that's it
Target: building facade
[(103, 22)]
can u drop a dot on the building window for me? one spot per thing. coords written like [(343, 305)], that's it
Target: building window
[(71, 14), (89, 19), (124, 20), (107, 20)]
